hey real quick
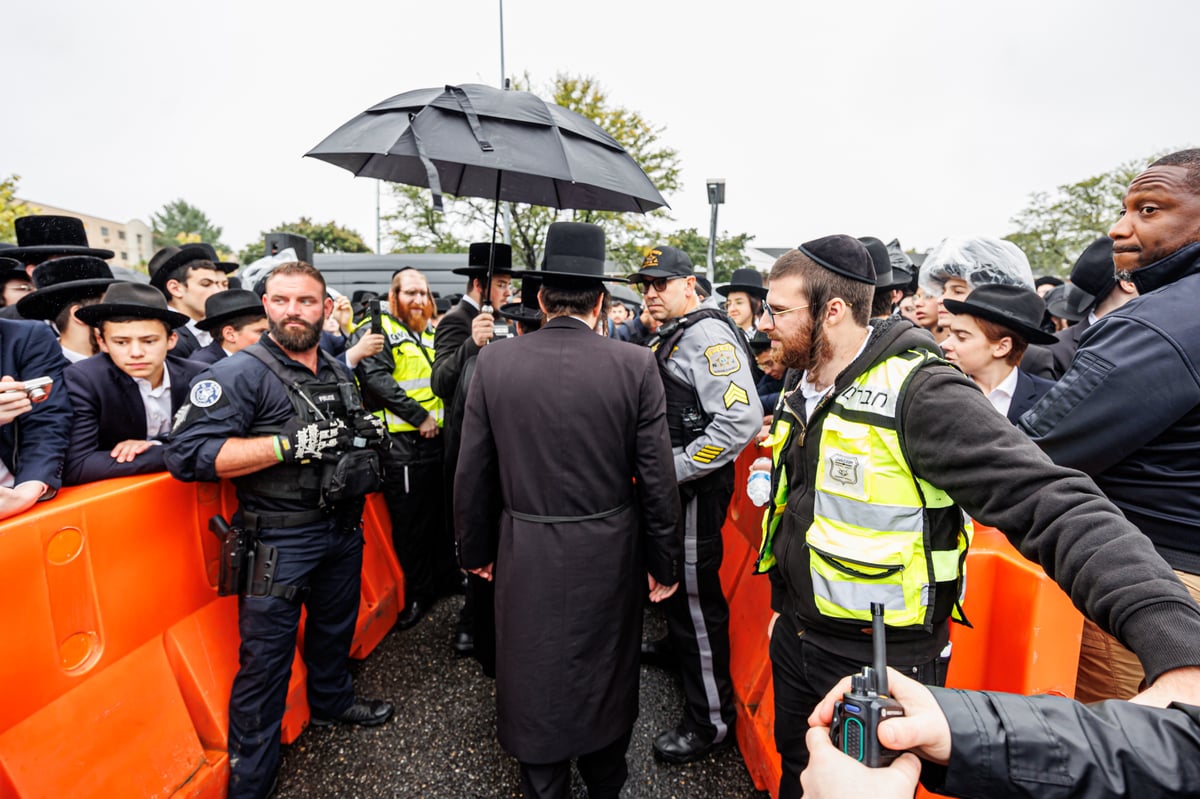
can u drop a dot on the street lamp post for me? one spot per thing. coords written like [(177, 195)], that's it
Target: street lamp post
[(716, 196)]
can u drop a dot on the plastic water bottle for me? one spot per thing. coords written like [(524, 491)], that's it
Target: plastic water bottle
[(758, 487)]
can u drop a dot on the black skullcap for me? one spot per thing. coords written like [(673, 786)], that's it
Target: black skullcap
[(843, 255)]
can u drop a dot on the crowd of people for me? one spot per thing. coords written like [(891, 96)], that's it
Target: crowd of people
[(546, 476)]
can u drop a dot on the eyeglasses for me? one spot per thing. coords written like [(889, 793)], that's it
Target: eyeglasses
[(771, 313), (659, 284)]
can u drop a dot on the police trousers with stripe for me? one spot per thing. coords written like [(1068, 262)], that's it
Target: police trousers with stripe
[(697, 613)]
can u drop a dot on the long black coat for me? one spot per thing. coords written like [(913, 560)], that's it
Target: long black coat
[(561, 423)]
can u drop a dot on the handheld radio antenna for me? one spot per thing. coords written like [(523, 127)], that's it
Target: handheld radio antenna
[(880, 646)]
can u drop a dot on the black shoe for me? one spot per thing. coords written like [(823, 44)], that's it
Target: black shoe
[(659, 653), (685, 746), (364, 713), (464, 643), (412, 614)]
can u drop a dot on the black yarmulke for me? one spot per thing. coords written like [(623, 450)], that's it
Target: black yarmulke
[(843, 255)]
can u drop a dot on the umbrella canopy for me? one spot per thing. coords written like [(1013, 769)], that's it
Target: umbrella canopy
[(479, 141)]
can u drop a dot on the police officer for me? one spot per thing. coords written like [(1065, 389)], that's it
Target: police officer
[(396, 386), (284, 421), (713, 411)]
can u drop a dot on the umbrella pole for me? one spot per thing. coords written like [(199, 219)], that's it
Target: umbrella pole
[(499, 328)]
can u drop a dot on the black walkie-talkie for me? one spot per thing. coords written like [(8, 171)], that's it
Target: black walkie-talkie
[(376, 312), (856, 717)]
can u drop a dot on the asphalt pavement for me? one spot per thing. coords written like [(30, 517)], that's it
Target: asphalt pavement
[(441, 744)]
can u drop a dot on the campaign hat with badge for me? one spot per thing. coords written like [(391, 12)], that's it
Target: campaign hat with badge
[(131, 301), (62, 281), (164, 262), (223, 307), (45, 236), (573, 257), (1015, 307)]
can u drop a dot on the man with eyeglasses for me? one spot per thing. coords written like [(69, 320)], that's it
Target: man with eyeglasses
[(713, 411), (880, 453)]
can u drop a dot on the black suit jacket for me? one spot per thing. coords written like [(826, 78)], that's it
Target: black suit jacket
[(209, 355), (34, 444), (186, 344), (109, 410), (566, 482), (1030, 389), (1063, 349), (454, 354)]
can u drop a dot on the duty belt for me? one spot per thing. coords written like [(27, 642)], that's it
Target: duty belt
[(532, 517), (262, 521)]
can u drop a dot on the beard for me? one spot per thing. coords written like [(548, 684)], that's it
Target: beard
[(414, 316), (296, 340), (805, 349)]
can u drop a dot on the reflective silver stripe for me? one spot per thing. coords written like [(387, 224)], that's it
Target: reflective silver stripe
[(415, 383), (857, 596), (873, 516), (702, 641)]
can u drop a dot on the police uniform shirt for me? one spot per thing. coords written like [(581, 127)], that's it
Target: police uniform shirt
[(710, 358), (230, 399)]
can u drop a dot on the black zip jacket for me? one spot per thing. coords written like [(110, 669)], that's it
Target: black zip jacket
[(1055, 516), (1127, 412)]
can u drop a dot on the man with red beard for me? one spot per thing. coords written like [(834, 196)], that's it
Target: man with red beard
[(277, 418), (880, 450), (396, 386)]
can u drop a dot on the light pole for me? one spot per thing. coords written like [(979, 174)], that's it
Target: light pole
[(716, 196)]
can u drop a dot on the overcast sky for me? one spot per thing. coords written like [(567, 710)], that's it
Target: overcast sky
[(915, 119)]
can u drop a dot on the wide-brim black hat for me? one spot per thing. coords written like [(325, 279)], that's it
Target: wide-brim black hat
[(45, 236), (1015, 307), (225, 306), (760, 342), (842, 255), (747, 280), (168, 259), (61, 281), (135, 300), (527, 310), (880, 259), (1094, 271), (477, 259), (573, 256), (10, 267), (1068, 302)]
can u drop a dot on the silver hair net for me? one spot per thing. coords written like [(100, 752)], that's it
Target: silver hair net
[(978, 261)]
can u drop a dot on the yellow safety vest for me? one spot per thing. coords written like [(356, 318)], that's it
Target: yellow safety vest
[(413, 369), (869, 540)]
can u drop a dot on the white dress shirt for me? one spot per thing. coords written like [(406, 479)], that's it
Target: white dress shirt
[(158, 405)]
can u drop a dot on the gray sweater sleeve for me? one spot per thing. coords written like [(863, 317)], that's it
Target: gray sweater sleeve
[(1055, 516)]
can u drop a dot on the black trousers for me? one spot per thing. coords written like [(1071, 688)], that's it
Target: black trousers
[(329, 564), (698, 615), (604, 771), (413, 493), (804, 673)]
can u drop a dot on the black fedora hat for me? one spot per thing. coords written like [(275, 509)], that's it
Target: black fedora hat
[(223, 306), (59, 282), (135, 300), (168, 259), (1068, 302), (1018, 308), (44, 236), (1094, 271), (10, 266), (747, 280), (880, 259), (573, 256), (477, 259), (842, 255), (527, 310)]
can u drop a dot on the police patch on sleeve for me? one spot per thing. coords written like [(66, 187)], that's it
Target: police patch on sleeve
[(722, 359), (205, 394)]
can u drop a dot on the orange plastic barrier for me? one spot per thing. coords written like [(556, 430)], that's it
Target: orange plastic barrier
[(117, 656), (1025, 639)]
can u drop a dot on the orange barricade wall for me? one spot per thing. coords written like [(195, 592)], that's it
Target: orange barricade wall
[(1025, 639), (117, 655)]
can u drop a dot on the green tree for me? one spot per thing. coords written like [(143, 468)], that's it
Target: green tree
[(325, 236), (1056, 226), (181, 223), (731, 251), (11, 208), (414, 224)]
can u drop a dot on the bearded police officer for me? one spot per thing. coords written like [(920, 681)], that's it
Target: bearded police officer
[(396, 386), (285, 422), (880, 451), (713, 411)]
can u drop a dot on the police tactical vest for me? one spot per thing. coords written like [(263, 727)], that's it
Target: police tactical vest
[(879, 533), (413, 361), (686, 418)]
